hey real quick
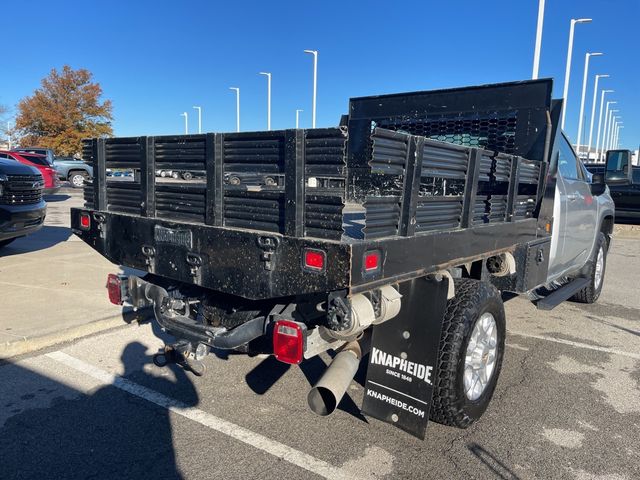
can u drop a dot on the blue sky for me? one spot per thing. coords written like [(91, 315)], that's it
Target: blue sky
[(156, 59)]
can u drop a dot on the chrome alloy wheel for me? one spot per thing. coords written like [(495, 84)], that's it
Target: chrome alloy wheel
[(597, 277), (480, 361)]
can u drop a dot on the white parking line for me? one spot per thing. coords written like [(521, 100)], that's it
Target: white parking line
[(237, 432), (576, 344)]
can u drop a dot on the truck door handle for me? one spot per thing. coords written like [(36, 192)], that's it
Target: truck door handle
[(572, 196)]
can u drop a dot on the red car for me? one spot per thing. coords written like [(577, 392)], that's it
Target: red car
[(51, 182)]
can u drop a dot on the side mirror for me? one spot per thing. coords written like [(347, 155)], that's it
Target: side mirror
[(597, 184)]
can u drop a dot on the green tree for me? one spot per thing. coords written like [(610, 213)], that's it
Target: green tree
[(65, 109)]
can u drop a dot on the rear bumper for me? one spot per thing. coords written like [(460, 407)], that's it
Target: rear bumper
[(20, 220), (246, 263)]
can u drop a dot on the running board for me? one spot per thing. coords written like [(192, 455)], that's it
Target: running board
[(558, 296)]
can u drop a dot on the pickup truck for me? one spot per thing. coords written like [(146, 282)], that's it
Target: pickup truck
[(74, 170), (22, 209), (71, 169), (623, 180), (390, 237)]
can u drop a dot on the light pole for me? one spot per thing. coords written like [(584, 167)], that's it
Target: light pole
[(268, 75), (612, 123), (604, 92), (298, 117), (587, 57), (567, 73), (9, 134), (605, 145), (315, 85), (199, 118), (615, 134), (186, 122), (605, 127), (618, 135), (237, 90), (593, 110), (536, 53)]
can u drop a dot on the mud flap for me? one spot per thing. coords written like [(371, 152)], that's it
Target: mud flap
[(404, 355)]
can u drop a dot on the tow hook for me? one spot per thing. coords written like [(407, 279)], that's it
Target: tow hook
[(182, 353)]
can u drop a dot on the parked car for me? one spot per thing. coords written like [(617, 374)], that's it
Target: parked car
[(47, 152), (624, 183), (74, 170), (623, 180), (40, 162), (22, 209)]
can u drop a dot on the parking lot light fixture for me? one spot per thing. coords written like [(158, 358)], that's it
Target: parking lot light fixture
[(618, 135), (567, 73), (199, 118), (604, 92), (536, 53), (237, 90), (587, 57), (186, 122), (315, 85), (593, 110), (612, 119), (268, 75), (607, 118)]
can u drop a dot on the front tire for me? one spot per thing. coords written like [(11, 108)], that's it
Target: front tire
[(597, 267), (471, 352), (77, 179)]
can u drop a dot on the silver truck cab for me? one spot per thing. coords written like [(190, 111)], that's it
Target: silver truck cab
[(583, 209)]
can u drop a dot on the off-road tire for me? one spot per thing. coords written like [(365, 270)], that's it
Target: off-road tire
[(591, 292), (450, 405), (73, 175)]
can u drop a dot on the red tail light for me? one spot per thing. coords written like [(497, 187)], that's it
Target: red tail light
[(288, 341), (114, 287), (314, 260), (372, 261), (85, 221)]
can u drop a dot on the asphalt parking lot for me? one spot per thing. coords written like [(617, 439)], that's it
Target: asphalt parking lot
[(567, 405)]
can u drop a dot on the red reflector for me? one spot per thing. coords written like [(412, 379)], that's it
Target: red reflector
[(85, 221), (114, 287), (314, 259), (371, 261), (288, 341)]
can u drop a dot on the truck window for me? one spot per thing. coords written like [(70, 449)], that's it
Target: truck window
[(636, 175), (567, 161)]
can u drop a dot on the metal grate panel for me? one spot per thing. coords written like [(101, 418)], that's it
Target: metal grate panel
[(489, 130), (434, 213), (382, 215), (181, 201), (180, 152)]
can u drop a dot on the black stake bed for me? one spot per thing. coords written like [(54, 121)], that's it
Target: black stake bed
[(422, 180)]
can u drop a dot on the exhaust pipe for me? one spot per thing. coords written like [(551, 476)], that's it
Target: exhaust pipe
[(327, 393)]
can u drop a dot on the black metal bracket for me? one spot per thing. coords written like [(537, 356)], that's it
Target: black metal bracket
[(471, 187)]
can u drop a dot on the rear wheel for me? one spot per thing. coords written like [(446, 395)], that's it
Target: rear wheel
[(597, 267), (77, 179), (187, 175), (471, 351)]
